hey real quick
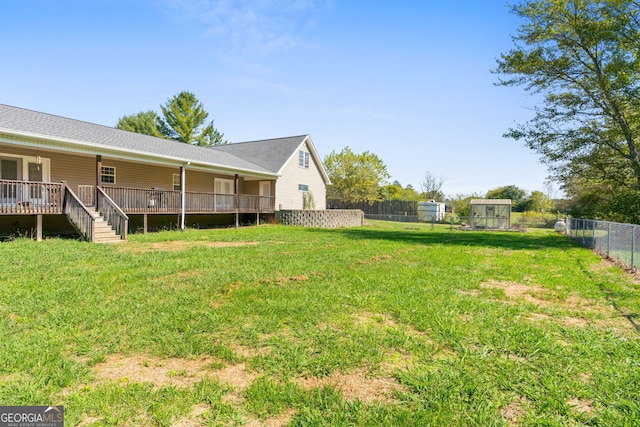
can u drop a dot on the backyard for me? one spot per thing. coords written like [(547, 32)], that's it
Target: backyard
[(386, 324)]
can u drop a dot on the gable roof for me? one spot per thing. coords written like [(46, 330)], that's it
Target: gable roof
[(273, 154), (33, 128)]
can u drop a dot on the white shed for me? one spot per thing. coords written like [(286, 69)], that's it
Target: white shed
[(430, 211)]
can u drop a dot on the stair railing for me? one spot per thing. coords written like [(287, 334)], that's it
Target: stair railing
[(112, 213), (78, 214)]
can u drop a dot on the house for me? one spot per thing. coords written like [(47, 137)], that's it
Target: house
[(491, 214), (105, 181), (302, 178)]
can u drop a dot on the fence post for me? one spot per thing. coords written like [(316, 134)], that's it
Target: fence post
[(633, 245), (608, 237)]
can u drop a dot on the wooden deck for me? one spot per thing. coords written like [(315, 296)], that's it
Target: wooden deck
[(35, 198), (30, 198)]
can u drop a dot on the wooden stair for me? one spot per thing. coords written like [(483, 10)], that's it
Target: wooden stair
[(103, 233)]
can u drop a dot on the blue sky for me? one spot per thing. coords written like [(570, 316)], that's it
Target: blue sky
[(407, 80)]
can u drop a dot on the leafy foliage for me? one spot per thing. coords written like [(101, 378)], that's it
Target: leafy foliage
[(581, 57), (395, 191), (516, 194), (145, 122), (355, 177), (183, 119)]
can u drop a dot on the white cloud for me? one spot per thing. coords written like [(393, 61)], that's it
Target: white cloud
[(251, 27)]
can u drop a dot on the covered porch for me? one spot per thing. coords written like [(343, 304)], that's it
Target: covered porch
[(115, 204)]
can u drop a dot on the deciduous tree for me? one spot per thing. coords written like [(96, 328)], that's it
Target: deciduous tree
[(581, 57), (355, 177), (431, 186)]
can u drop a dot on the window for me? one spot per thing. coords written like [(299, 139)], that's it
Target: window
[(303, 159), (108, 175), (176, 182), (223, 186), (303, 187)]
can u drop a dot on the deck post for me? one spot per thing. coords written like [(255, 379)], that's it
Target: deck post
[(236, 203), (98, 174), (183, 196), (258, 218), (39, 228), (144, 223)]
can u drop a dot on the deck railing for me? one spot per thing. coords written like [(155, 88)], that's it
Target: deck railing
[(28, 197), (113, 214), (140, 200), (78, 214)]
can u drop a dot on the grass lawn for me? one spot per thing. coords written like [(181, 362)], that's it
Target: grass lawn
[(387, 324)]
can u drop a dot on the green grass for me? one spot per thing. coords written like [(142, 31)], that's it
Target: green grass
[(387, 324)]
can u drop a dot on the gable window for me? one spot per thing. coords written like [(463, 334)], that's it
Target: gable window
[(108, 175), (303, 187), (176, 182), (303, 159)]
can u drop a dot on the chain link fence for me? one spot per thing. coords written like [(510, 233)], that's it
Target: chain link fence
[(620, 242)]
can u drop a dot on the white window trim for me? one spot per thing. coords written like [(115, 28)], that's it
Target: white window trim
[(177, 187), (23, 169), (102, 175), (225, 181), (303, 159)]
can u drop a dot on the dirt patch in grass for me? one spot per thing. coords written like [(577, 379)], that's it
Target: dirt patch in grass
[(355, 386), (514, 411), (515, 290), (175, 371), (376, 258), (366, 318), (193, 419), (180, 245), (582, 405), (582, 312)]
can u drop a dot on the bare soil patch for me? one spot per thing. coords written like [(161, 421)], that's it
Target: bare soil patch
[(582, 405), (180, 245), (355, 386), (582, 312), (514, 411), (514, 290), (175, 371), (193, 419)]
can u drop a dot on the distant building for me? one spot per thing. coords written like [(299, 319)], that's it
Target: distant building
[(430, 211), (490, 214)]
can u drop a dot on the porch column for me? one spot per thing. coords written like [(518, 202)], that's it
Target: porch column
[(98, 174), (183, 195), (237, 185)]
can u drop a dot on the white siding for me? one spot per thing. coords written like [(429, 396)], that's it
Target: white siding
[(288, 196)]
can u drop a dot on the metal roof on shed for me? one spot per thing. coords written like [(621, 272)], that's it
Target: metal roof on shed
[(491, 202)]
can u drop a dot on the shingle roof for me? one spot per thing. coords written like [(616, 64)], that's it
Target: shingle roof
[(18, 120), (271, 154)]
